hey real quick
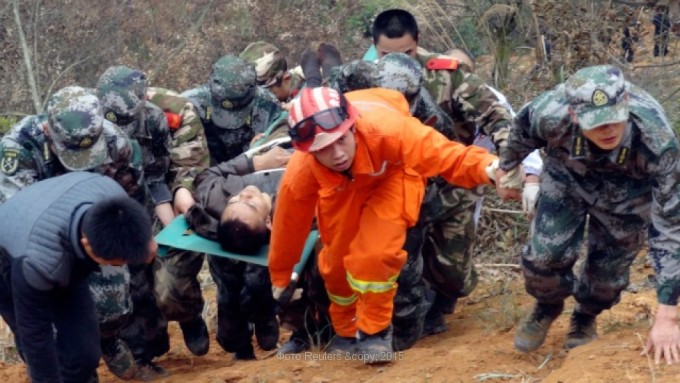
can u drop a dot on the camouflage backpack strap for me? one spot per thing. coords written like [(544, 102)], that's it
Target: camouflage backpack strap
[(442, 63)]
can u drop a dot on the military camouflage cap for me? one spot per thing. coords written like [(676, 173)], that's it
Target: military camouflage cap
[(75, 124), (121, 91), (597, 95), (400, 72), (270, 64), (233, 83)]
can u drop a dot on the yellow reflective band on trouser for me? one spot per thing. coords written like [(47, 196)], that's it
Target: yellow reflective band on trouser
[(342, 301), (364, 287)]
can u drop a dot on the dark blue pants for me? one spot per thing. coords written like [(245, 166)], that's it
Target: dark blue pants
[(74, 319)]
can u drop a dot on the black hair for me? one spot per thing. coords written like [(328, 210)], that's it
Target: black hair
[(118, 228), (237, 237), (395, 23)]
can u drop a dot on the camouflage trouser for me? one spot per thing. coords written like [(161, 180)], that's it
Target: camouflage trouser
[(177, 290), (127, 309), (449, 228), (147, 331), (616, 231), (414, 296), (110, 290), (244, 295)]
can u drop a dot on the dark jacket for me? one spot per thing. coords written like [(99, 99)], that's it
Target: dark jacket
[(41, 235), (215, 185)]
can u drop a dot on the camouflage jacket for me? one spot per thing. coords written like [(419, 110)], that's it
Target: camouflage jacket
[(225, 144), (647, 163), (189, 150), (357, 74), (467, 101), (26, 157), (151, 138)]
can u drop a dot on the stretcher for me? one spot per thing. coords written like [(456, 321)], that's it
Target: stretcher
[(178, 235)]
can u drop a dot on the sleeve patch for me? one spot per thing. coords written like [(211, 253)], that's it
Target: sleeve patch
[(10, 161)]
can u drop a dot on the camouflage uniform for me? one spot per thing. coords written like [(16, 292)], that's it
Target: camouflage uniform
[(448, 211), (189, 150), (234, 109), (621, 190), (122, 92), (270, 64), (28, 156), (177, 289)]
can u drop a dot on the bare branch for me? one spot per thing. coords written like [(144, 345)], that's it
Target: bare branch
[(27, 58), (656, 65), (68, 68)]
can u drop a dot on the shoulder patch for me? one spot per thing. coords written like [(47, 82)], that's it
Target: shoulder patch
[(442, 63), (10, 161)]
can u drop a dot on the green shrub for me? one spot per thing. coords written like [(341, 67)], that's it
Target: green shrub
[(6, 122)]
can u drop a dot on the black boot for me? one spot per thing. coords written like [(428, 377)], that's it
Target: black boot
[(196, 336), (582, 330), (534, 328), (119, 358), (267, 333), (311, 68), (329, 57), (375, 348), (245, 353)]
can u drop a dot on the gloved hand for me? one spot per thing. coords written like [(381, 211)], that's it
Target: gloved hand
[(529, 197), (283, 295)]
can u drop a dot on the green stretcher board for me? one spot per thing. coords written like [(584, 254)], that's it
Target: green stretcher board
[(178, 235)]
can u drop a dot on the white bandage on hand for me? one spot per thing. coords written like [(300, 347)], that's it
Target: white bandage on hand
[(529, 197)]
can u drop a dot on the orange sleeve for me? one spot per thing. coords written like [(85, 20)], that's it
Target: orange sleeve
[(293, 215), (430, 153)]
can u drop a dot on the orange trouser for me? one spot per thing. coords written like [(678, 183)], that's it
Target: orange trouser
[(362, 254)]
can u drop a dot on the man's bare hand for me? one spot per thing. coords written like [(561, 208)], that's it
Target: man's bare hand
[(664, 337), (506, 193), (276, 157)]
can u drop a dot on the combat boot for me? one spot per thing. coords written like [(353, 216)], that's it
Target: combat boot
[(341, 345), (311, 68), (195, 334), (267, 333), (376, 348), (329, 57), (119, 358), (245, 352), (582, 330), (534, 328), (297, 343)]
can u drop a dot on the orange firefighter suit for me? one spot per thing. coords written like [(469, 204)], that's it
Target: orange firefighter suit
[(363, 216)]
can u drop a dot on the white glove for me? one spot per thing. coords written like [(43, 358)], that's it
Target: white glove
[(529, 197), (277, 291)]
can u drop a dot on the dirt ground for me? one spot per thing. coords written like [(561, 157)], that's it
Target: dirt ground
[(476, 348)]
